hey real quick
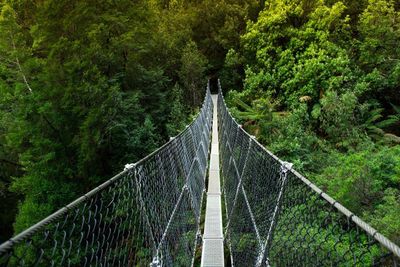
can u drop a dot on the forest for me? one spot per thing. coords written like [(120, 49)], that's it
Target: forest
[(88, 86)]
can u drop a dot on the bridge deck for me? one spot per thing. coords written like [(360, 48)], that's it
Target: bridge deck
[(213, 243)]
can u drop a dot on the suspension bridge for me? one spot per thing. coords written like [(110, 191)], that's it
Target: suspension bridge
[(258, 211)]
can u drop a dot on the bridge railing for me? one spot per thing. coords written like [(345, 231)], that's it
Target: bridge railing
[(148, 214), (276, 217)]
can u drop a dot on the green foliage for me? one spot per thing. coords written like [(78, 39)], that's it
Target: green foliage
[(259, 111), (359, 179), (177, 117), (386, 215), (219, 24), (192, 72), (379, 27), (310, 236), (331, 70), (292, 137), (232, 72), (378, 48), (292, 53), (338, 119), (88, 86)]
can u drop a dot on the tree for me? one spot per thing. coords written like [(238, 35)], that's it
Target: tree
[(68, 124), (192, 73), (332, 68), (177, 117), (379, 50), (291, 52)]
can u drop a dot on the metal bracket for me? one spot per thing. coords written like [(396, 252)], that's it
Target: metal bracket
[(129, 166), (286, 166), (156, 262), (199, 237)]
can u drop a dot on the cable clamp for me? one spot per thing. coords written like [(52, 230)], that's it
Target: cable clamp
[(129, 166), (156, 262), (286, 166), (199, 237)]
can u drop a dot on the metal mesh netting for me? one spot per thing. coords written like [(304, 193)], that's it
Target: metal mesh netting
[(276, 217), (149, 213)]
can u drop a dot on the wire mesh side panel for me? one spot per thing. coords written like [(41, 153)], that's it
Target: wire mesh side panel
[(172, 185), (103, 229), (276, 217), (149, 213)]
